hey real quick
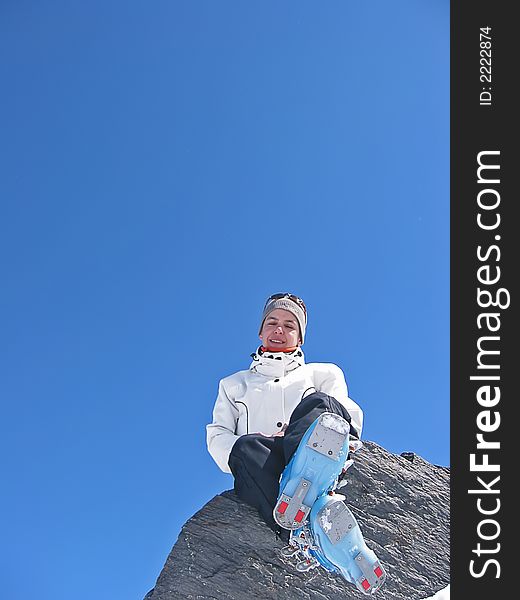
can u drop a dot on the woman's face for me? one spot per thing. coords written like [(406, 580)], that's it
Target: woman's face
[(280, 331)]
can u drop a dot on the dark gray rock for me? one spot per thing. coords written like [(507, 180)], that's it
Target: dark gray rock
[(225, 551)]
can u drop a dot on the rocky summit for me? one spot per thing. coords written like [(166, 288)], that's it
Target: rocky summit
[(401, 502)]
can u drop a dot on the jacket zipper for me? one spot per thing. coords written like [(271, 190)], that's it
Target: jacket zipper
[(247, 414)]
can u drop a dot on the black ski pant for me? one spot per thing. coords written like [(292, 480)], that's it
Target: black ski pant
[(257, 461)]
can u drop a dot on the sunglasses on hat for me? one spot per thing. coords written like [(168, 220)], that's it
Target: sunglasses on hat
[(292, 297)]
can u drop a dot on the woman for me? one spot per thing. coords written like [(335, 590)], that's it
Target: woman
[(284, 429)]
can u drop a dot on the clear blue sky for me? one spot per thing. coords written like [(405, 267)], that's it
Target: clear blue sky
[(165, 166)]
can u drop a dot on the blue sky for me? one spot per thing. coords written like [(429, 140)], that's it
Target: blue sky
[(166, 166)]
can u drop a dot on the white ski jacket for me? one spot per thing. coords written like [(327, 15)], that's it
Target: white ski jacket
[(262, 398)]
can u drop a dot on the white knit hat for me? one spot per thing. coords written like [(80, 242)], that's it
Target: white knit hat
[(288, 302)]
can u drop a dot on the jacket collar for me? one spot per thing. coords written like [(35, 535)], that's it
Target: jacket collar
[(276, 364)]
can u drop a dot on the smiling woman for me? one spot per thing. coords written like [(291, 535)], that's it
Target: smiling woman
[(264, 417), (285, 429), (280, 331), (283, 322)]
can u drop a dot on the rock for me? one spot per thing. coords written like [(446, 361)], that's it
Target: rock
[(408, 455), (225, 551)]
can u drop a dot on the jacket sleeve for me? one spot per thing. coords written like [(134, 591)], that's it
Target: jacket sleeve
[(220, 434), (331, 381)]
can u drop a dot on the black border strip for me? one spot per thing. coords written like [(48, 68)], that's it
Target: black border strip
[(483, 124)]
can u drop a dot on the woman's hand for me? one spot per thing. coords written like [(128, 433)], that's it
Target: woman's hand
[(277, 434)]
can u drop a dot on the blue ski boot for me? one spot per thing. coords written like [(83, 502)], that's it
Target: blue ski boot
[(332, 540), (313, 469), (338, 538)]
